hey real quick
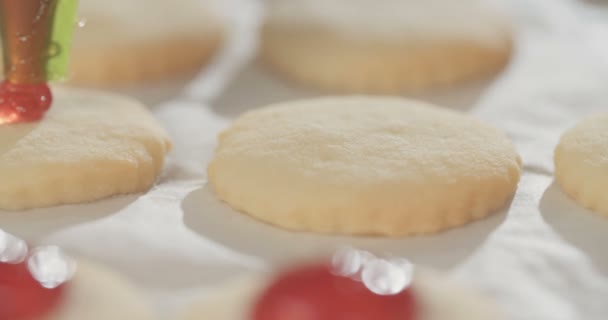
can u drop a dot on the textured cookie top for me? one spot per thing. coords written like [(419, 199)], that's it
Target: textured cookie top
[(589, 140), (363, 165), (90, 145), (347, 141), (393, 19)]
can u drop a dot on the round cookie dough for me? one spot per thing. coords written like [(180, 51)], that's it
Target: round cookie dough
[(98, 294), (89, 146), (581, 163), (388, 47), (363, 165), (124, 42), (439, 297)]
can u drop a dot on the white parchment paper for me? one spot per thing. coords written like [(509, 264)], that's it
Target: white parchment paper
[(543, 257)]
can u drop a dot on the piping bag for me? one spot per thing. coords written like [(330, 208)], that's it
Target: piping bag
[(36, 41)]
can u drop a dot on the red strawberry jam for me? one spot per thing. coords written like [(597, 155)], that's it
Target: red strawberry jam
[(23, 102), (30, 284), (314, 292)]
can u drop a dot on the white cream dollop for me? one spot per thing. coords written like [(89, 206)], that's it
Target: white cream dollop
[(381, 276), (12, 249), (51, 266)]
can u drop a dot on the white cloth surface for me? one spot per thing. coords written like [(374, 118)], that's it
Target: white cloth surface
[(543, 257)]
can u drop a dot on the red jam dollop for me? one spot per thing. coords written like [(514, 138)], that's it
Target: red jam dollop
[(32, 283), (315, 292), (23, 102)]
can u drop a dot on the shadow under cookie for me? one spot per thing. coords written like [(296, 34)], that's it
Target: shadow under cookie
[(37, 223), (254, 87), (585, 229), (156, 93), (216, 221)]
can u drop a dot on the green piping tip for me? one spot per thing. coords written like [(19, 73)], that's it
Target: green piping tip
[(62, 32)]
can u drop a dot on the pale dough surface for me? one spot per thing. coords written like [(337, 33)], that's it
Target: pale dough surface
[(388, 46), (99, 294), (123, 42), (439, 297), (392, 19), (363, 165), (581, 163), (89, 146)]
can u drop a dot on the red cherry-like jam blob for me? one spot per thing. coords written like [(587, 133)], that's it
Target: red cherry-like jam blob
[(23, 102), (22, 297), (313, 292)]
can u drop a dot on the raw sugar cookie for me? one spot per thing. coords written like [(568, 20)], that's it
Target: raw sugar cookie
[(391, 46), (136, 41), (581, 163), (314, 292), (89, 146), (363, 165), (43, 283)]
